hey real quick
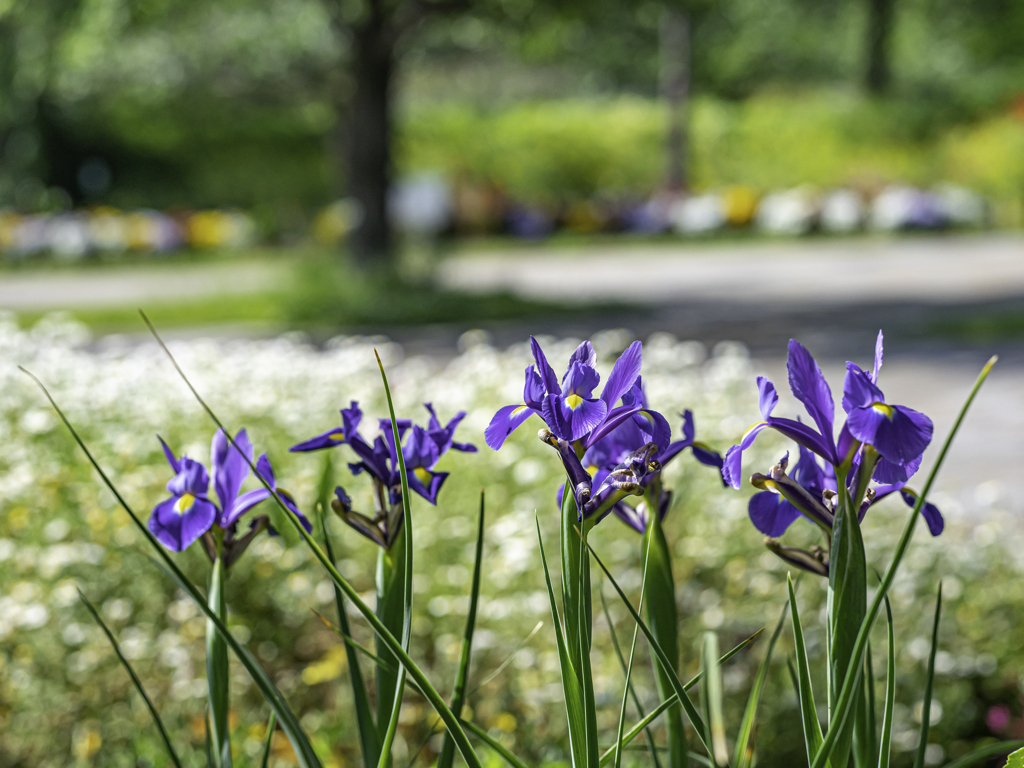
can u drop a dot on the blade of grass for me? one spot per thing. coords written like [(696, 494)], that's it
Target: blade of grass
[(289, 723), (209, 742), (429, 692), (462, 675), (988, 750), (501, 667), (570, 683), (648, 735), (135, 680), (805, 693), (711, 696), (673, 699), (629, 666), (691, 711), (494, 744), (364, 715), (890, 693), (745, 752), (844, 703), (389, 736), (926, 712), (268, 741)]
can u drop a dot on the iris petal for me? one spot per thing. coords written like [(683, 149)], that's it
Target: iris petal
[(328, 439), (505, 421), (177, 530), (810, 388), (770, 513), (624, 373)]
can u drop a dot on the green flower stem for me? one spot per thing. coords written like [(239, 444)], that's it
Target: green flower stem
[(390, 586), (217, 669)]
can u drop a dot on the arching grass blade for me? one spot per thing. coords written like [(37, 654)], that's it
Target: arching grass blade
[(462, 675), (711, 698), (844, 704), (1014, 760), (268, 741), (885, 742), (494, 744), (805, 693), (135, 680), (744, 750), (289, 723), (429, 691), (926, 712), (691, 711)]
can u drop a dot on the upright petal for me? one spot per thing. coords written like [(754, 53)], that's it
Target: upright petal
[(878, 358), (504, 422), (811, 389), (175, 464), (767, 397), (180, 520), (624, 373), (350, 418), (544, 369), (230, 468), (859, 389), (191, 479), (580, 381), (534, 389), (584, 354)]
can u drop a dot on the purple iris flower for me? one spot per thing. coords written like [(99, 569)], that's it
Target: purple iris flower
[(189, 514), (899, 434), (421, 449), (569, 406)]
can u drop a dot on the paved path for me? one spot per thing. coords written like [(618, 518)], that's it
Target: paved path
[(131, 286), (805, 273)]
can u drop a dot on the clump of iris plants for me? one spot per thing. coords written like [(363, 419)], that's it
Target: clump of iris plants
[(613, 448)]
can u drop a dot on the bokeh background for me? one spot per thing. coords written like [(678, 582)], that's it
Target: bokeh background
[(284, 187)]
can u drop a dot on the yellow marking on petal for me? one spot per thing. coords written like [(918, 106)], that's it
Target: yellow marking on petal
[(592, 469), (424, 475), (339, 435), (751, 429), (184, 503), (517, 411), (646, 415), (573, 401), (885, 410)]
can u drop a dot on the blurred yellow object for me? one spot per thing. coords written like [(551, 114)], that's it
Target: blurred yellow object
[(334, 222), (740, 204), (212, 229), (87, 744), (9, 222), (330, 667), (585, 216)]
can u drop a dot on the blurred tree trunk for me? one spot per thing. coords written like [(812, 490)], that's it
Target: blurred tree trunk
[(878, 73), (674, 52), (368, 139)]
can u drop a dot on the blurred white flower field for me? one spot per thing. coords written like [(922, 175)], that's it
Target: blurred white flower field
[(63, 697)]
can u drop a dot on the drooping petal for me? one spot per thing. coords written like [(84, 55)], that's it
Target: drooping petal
[(929, 511), (171, 459), (811, 389), (654, 427), (244, 503), (770, 513), (732, 466), (328, 439), (706, 455), (289, 501), (889, 472), (180, 520), (630, 516), (573, 417), (898, 433), (426, 483), (505, 421), (858, 389), (230, 467), (624, 373), (613, 421), (544, 369)]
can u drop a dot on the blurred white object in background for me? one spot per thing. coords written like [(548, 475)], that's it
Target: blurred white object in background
[(842, 210), (107, 230), (421, 204), (962, 206), (791, 212), (68, 236), (903, 207), (697, 214)]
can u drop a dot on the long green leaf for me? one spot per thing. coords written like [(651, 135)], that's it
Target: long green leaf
[(989, 750), (845, 701), (711, 698), (289, 723), (629, 666), (135, 680), (406, 536), (217, 669), (805, 693), (926, 712), (361, 701), (651, 746), (494, 744), (570, 683), (890, 692), (744, 751), (429, 691), (691, 711), (462, 675), (268, 742), (673, 699)]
